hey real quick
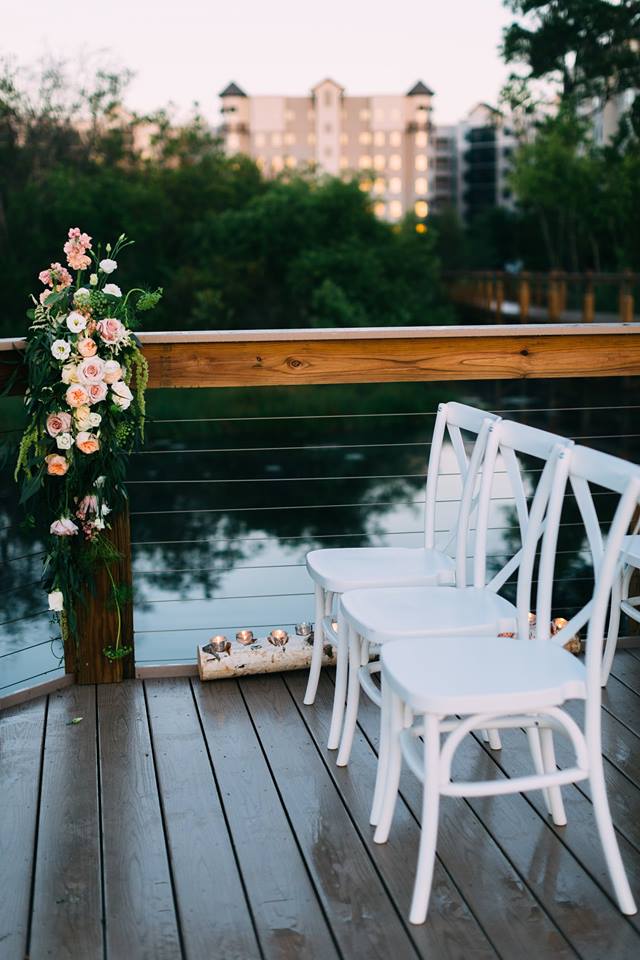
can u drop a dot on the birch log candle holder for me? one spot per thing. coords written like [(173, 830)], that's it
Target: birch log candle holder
[(279, 651)]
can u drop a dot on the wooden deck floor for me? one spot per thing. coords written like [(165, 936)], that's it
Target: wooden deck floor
[(207, 821)]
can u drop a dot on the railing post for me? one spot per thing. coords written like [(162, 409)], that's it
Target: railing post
[(626, 298), (97, 618), (553, 298), (562, 293), (589, 300), (499, 295), (524, 297)]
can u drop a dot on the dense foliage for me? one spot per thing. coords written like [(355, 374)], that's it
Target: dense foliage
[(230, 248)]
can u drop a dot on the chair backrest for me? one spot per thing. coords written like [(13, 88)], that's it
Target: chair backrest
[(508, 442), (620, 478), (452, 419)]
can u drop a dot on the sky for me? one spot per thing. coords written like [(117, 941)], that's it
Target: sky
[(183, 51)]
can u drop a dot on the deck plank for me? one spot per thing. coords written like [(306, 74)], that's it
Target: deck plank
[(452, 931), (139, 907), (511, 916), (348, 884), (21, 740), (288, 917), (67, 900), (213, 912)]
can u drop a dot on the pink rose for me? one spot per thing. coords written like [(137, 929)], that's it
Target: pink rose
[(58, 423), (57, 465), (88, 504), (111, 330), (63, 527), (87, 347), (97, 392), (77, 396), (87, 442), (112, 371), (91, 370)]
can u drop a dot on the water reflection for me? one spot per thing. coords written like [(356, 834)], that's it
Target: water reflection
[(224, 511)]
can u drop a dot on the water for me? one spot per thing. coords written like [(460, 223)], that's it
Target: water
[(224, 510)]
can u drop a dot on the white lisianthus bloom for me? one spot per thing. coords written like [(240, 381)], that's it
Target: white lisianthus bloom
[(104, 510), (93, 279), (108, 266), (95, 419), (99, 524), (56, 600), (76, 322), (60, 349), (112, 289), (70, 373), (82, 294), (64, 441)]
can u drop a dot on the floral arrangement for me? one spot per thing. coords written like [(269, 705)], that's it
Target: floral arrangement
[(85, 410)]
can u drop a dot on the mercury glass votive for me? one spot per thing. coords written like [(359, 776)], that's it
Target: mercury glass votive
[(279, 638), (304, 629), (245, 637), (219, 644)]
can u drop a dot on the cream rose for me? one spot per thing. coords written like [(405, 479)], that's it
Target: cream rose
[(82, 415), (121, 395), (70, 373), (112, 371), (64, 441)]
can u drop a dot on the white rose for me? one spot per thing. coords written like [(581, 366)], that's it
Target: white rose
[(93, 279), (121, 402), (108, 266), (99, 524), (60, 349), (64, 441), (76, 322), (113, 289), (112, 371), (104, 510), (122, 390), (56, 600), (95, 419), (70, 373)]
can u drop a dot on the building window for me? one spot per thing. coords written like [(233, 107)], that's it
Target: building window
[(395, 161), (421, 162), (421, 208), (233, 141), (421, 186), (311, 116), (328, 98), (395, 185), (291, 162), (379, 138), (395, 209), (421, 138), (289, 139), (260, 139), (379, 115), (395, 138), (379, 162), (344, 163), (365, 115), (379, 209), (364, 137), (289, 115), (311, 139), (395, 114), (378, 185), (344, 139), (276, 140), (260, 163), (365, 162), (365, 186), (276, 164)]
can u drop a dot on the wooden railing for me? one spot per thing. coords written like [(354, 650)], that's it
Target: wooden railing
[(529, 296), (338, 356)]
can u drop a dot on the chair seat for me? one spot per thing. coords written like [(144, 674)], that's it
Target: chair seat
[(465, 675), (354, 568), (381, 615), (631, 550)]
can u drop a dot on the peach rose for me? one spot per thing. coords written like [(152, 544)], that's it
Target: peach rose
[(87, 347), (91, 370), (112, 371), (57, 466), (77, 396), (97, 392), (111, 330), (87, 442), (70, 373), (58, 423)]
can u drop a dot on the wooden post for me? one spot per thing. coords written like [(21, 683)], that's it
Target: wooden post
[(524, 297), (626, 298), (499, 296), (553, 304), (97, 620), (562, 293), (589, 300)]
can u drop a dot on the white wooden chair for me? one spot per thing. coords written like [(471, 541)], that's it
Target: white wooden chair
[(511, 682), (378, 617), (621, 601), (336, 570)]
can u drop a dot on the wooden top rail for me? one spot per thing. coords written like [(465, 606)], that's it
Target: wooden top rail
[(588, 276), (252, 358)]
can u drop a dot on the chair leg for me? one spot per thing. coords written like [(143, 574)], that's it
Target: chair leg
[(318, 643), (556, 804), (617, 597), (353, 699), (395, 726), (383, 758), (342, 672), (429, 831), (608, 838), (533, 736), (494, 740)]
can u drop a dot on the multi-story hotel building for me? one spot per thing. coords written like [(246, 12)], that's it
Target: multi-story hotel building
[(387, 138)]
